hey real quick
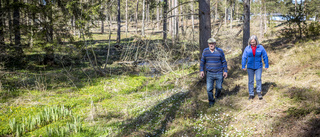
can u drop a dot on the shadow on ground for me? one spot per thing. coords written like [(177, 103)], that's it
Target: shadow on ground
[(312, 129), (235, 71), (266, 86), (298, 117), (281, 43), (165, 112)]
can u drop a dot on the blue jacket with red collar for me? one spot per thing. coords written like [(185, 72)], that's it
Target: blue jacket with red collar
[(254, 62)]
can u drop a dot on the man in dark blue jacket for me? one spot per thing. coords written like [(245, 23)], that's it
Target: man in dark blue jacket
[(252, 58), (215, 64)]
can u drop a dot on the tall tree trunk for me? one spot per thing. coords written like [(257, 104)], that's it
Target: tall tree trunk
[(237, 12), (304, 8), (295, 7), (107, 56), (102, 20), (102, 26), (231, 14), (205, 24), (192, 19), (265, 17), (225, 13), (9, 21), (148, 13), (50, 25), (164, 16), (176, 20), (1, 29), (216, 14), (126, 17), (74, 25), (29, 20), (33, 17), (158, 16), (24, 15), (182, 20), (143, 13), (137, 8), (261, 20), (17, 34), (119, 23), (49, 57), (170, 19), (246, 23)]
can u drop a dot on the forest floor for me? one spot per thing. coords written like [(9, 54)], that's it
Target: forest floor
[(166, 97)]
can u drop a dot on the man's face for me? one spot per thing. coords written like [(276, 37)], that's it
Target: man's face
[(211, 46)]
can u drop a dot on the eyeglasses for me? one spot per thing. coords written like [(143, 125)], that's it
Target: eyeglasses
[(253, 42)]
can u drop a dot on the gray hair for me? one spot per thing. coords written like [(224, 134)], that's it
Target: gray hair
[(253, 37)]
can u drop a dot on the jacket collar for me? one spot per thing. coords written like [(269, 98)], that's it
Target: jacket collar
[(258, 46)]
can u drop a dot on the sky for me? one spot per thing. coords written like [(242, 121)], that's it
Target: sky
[(298, 1)]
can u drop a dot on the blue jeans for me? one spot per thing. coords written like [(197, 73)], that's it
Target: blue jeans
[(251, 73), (211, 78)]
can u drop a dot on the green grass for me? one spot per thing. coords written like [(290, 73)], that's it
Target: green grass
[(111, 102), (110, 94), (174, 103)]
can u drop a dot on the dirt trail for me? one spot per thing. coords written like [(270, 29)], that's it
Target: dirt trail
[(290, 105)]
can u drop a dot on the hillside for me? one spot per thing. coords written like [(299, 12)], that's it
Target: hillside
[(290, 105)]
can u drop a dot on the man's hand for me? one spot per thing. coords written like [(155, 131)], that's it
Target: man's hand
[(265, 68), (244, 69), (225, 74), (201, 74)]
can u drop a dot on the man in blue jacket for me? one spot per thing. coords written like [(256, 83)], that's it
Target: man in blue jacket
[(252, 58), (215, 64)]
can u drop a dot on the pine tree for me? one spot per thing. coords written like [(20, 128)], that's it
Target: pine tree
[(246, 23), (205, 24)]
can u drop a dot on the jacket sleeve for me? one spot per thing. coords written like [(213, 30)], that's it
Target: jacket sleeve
[(244, 59), (202, 61), (265, 58)]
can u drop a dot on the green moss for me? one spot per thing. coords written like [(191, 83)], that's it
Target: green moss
[(296, 112)]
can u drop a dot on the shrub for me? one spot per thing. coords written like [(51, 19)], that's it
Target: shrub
[(313, 29)]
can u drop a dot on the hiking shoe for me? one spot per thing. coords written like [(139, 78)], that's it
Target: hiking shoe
[(211, 104), (251, 97), (259, 95)]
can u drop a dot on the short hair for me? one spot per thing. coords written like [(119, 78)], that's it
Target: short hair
[(253, 37)]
